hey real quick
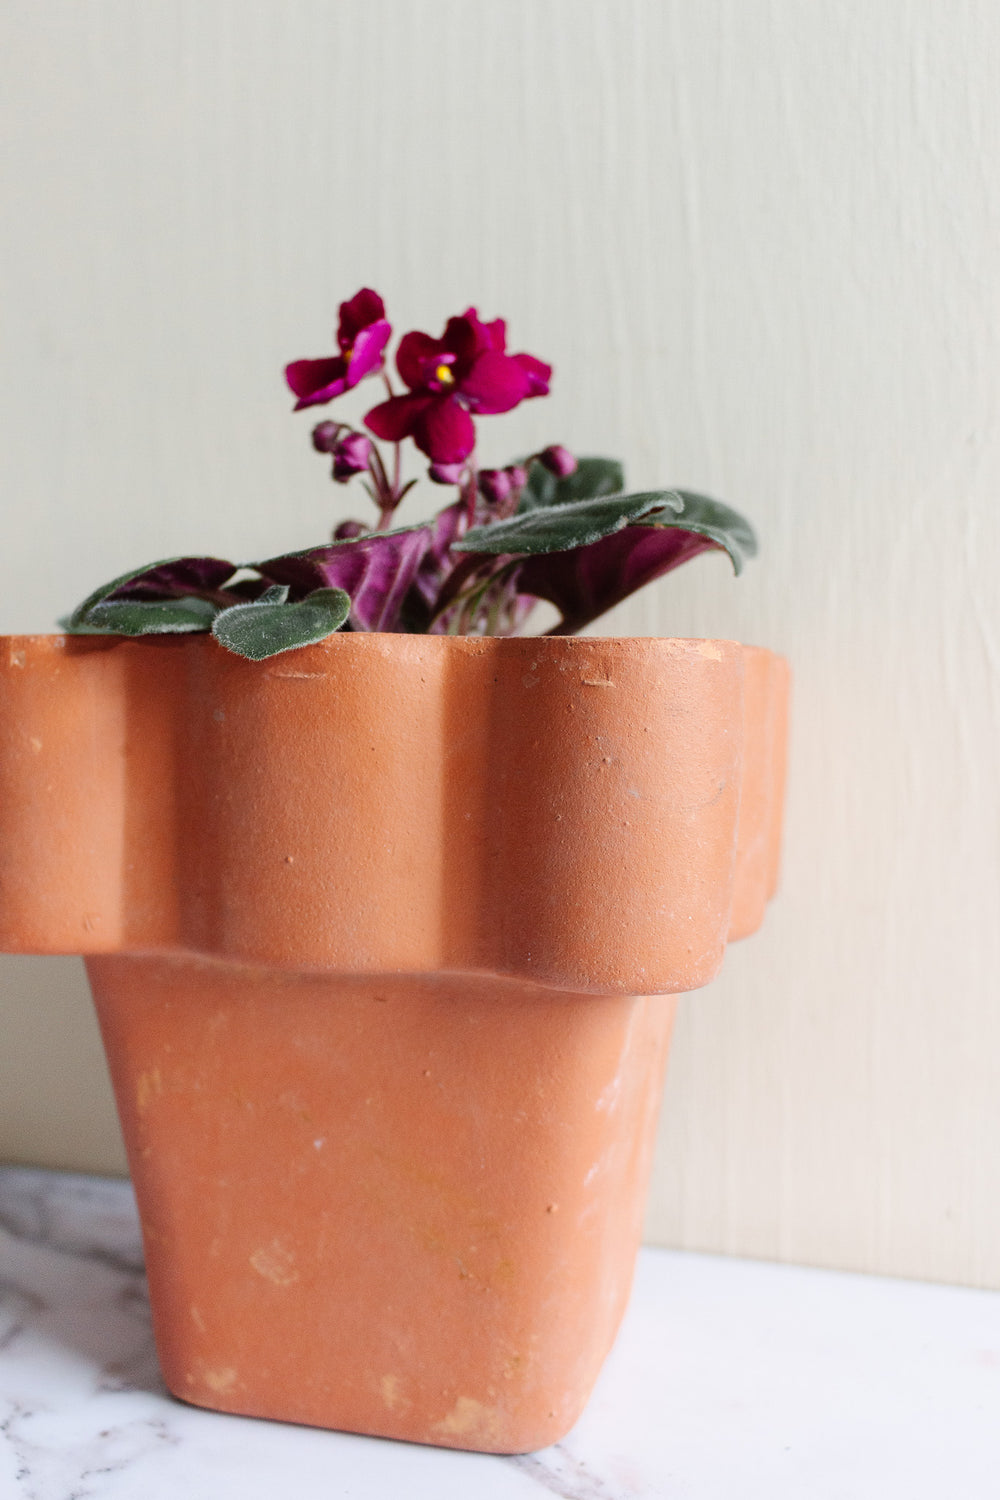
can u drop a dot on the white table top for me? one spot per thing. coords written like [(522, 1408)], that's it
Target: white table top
[(731, 1380)]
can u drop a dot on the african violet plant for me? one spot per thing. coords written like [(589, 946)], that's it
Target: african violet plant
[(549, 527)]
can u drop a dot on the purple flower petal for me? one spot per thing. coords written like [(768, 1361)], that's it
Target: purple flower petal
[(495, 383), (359, 312), (366, 355), (396, 418), (416, 357), (539, 374), (466, 337), (443, 430), (497, 331), (316, 380)]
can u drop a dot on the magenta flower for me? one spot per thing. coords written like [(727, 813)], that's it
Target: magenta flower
[(466, 370), (558, 460), (362, 335), (495, 485), (351, 455)]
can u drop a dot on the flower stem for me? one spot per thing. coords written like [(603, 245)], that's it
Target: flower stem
[(469, 488)]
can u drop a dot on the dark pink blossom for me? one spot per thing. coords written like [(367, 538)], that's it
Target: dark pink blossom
[(351, 455), (558, 460), (465, 371), (446, 473), (362, 335), (495, 485), (325, 435)]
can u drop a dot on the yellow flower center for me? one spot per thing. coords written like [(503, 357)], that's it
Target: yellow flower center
[(443, 375)]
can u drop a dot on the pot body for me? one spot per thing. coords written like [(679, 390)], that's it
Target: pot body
[(366, 925), (408, 1207)]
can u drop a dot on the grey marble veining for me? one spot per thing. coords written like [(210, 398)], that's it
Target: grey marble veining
[(730, 1379)]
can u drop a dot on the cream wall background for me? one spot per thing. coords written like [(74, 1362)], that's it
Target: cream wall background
[(760, 242)]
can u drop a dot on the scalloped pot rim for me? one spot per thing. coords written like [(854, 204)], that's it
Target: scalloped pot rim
[(368, 927), (377, 771)]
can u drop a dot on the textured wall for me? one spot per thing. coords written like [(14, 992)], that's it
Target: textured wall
[(760, 243)]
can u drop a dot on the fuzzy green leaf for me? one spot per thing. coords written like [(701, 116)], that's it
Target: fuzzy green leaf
[(264, 628), (591, 477), (720, 523), (173, 578), (563, 528), (143, 617)]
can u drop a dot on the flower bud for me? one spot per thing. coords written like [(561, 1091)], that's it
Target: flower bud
[(558, 460), (445, 473), (324, 436), (348, 530), (518, 476), (494, 485), (351, 456)]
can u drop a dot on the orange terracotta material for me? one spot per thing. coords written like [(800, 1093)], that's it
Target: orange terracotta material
[(367, 929)]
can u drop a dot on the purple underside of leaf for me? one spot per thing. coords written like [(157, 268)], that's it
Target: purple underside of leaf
[(174, 580), (447, 526), (587, 581), (376, 570)]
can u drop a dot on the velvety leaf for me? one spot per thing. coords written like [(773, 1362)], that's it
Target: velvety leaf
[(174, 578), (559, 527), (275, 593), (144, 617), (587, 581), (725, 526), (578, 524), (376, 570), (591, 478), (267, 627)]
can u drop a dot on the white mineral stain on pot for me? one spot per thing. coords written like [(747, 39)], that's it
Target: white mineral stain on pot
[(275, 1262), (389, 1385), (468, 1417), (149, 1087)]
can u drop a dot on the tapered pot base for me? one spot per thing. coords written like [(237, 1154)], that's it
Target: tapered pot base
[(403, 1206)]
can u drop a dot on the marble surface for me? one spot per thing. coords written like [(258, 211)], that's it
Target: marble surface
[(730, 1379)]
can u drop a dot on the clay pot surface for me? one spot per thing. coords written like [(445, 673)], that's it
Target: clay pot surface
[(368, 926), (407, 1207)]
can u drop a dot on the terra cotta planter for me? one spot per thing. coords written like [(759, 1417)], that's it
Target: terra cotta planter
[(376, 932)]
